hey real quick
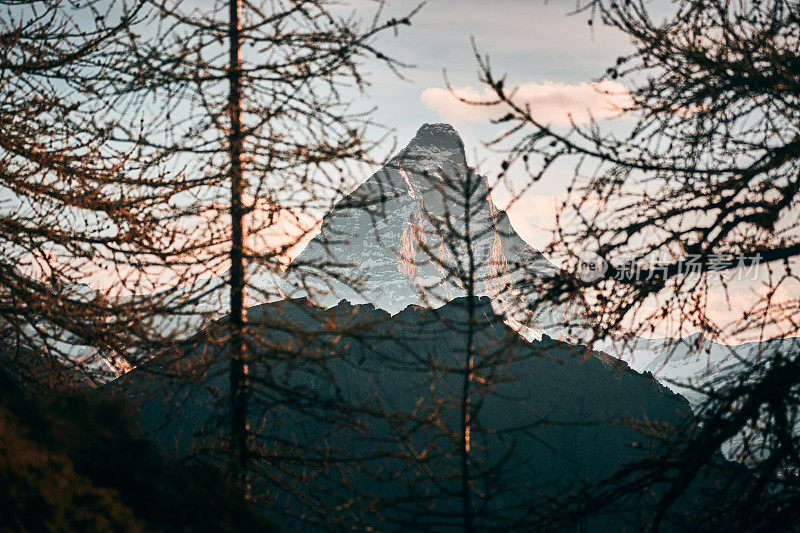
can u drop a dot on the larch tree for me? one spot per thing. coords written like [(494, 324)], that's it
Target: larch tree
[(695, 182), (248, 102), (79, 224)]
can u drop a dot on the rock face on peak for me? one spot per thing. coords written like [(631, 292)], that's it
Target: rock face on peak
[(436, 140), (399, 239), (441, 135), (434, 144)]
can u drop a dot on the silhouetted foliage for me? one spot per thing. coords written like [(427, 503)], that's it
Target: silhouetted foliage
[(248, 106), (71, 463)]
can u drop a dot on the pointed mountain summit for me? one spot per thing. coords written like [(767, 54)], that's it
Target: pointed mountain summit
[(439, 136), (433, 145), (400, 239)]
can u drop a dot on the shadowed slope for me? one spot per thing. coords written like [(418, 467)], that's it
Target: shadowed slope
[(357, 408)]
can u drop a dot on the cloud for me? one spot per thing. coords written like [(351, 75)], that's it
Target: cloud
[(533, 217), (275, 234), (278, 231), (550, 102)]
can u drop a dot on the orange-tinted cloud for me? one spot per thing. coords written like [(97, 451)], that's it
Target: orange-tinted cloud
[(550, 102), (274, 235)]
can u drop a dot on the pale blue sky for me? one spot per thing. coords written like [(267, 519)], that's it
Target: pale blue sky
[(531, 40)]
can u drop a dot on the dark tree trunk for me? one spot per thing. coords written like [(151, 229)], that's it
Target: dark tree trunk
[(239, 370), (469, 366)]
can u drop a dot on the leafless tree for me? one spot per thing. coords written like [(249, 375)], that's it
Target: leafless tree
[(79, 224), (249, 105), (701, 168)]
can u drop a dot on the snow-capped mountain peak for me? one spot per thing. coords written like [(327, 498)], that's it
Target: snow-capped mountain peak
[(399, 238)]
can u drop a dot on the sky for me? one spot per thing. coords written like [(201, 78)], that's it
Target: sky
[(531, 40), (552, 55), (556, 59)]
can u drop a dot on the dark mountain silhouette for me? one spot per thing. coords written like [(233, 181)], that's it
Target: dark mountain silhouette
[(357, 391), (346, 397)]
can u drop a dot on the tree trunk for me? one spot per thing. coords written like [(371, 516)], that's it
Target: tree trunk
[(466, 400), (238, 357)]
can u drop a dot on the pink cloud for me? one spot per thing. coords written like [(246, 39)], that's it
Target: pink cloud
[(272, 231), (550, 102)]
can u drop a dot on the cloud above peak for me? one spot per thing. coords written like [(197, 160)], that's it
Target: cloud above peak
[(550, 102)]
